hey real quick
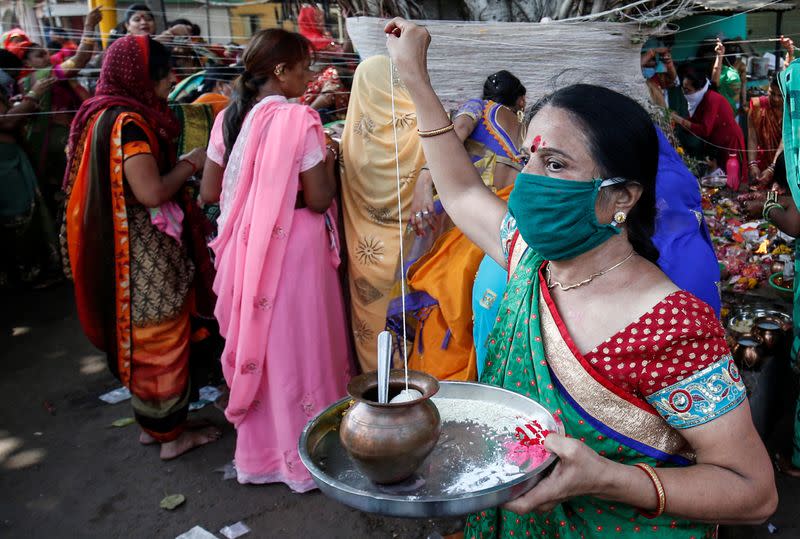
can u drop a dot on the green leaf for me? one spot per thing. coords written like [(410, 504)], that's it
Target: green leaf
[(172, 501), (123, 422)]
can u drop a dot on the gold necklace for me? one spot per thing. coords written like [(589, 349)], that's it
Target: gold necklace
[(588, 280)]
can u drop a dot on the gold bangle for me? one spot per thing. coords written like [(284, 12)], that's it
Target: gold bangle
[(662, 495), (436, 132)]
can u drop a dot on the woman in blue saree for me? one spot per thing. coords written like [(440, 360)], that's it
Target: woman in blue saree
[(659, 441)]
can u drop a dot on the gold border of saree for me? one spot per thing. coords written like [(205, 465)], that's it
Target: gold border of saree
[(624, 418)]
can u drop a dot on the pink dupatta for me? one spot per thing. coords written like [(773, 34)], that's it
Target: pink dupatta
[(251, 246)]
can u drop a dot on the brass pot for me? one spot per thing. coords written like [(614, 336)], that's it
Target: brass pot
[(388, 442), (769, 332), (748, 353)]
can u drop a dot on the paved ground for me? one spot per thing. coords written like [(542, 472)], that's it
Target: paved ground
[(64, 472)]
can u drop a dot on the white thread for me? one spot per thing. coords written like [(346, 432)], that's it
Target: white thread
[(400, 222)]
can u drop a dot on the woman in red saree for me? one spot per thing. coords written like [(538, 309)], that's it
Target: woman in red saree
[(128, 232), (659, 441), (311, 24), (712, 121), (765, 125)]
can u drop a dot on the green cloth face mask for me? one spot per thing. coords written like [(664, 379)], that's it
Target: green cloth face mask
[(556, 217)]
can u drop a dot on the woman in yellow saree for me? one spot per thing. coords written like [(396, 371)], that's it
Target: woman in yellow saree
[(369, 195), (659, 441)]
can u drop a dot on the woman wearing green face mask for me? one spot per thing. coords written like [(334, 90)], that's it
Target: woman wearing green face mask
[(637, 370)]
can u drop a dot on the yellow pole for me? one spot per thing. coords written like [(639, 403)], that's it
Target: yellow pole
[(109, 10)]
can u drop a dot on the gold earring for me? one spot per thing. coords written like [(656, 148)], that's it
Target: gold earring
[(278, 71), (619, 218)]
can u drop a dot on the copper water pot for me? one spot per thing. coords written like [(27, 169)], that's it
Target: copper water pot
[(388, 442), (748, 353), (769, 332)]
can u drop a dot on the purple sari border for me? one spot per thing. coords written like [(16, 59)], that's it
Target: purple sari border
[(621, 438), (415, 301)]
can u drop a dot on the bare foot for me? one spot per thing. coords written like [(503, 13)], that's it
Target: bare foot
[(188, 440), (784, 464), (191, 424), (222, 401), (146, 439)]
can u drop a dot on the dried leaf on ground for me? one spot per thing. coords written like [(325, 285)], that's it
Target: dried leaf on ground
[(172, 501)]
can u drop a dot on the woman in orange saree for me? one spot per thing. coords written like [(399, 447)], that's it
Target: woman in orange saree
[(440, 282), (128, 236)]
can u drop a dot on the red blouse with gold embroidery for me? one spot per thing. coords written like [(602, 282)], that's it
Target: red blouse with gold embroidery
[(675, 339)]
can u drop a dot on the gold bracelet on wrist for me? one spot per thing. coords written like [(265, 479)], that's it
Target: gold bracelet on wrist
[(436, 132), (662, 495)]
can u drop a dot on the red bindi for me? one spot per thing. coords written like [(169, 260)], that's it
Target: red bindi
[(537, 143)]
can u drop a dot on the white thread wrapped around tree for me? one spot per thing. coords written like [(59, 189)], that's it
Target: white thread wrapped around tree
[(545, 56)]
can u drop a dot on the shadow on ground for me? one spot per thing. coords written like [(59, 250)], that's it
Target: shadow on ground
[(65, 472)]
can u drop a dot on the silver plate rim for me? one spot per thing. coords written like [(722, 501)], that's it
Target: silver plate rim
[(419, 507)]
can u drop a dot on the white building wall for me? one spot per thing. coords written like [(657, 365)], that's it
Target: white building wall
[(220, 24)]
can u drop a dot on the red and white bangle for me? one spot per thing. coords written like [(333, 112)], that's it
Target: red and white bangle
[(662, 495)]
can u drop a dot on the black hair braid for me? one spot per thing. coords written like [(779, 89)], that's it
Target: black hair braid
[(245, 90)]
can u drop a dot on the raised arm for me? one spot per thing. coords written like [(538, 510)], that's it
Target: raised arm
[(672, 73), (716, 71), (468, 202), (72, 66), (788, 44)]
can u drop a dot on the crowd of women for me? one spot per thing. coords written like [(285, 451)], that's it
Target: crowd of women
[(733, 128), (538, 257), (723, 120)]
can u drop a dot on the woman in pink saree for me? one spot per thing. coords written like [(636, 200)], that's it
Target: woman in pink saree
[(280, 304)]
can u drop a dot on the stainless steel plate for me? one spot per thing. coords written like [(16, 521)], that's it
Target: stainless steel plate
[(744, 318), (469, 470)]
